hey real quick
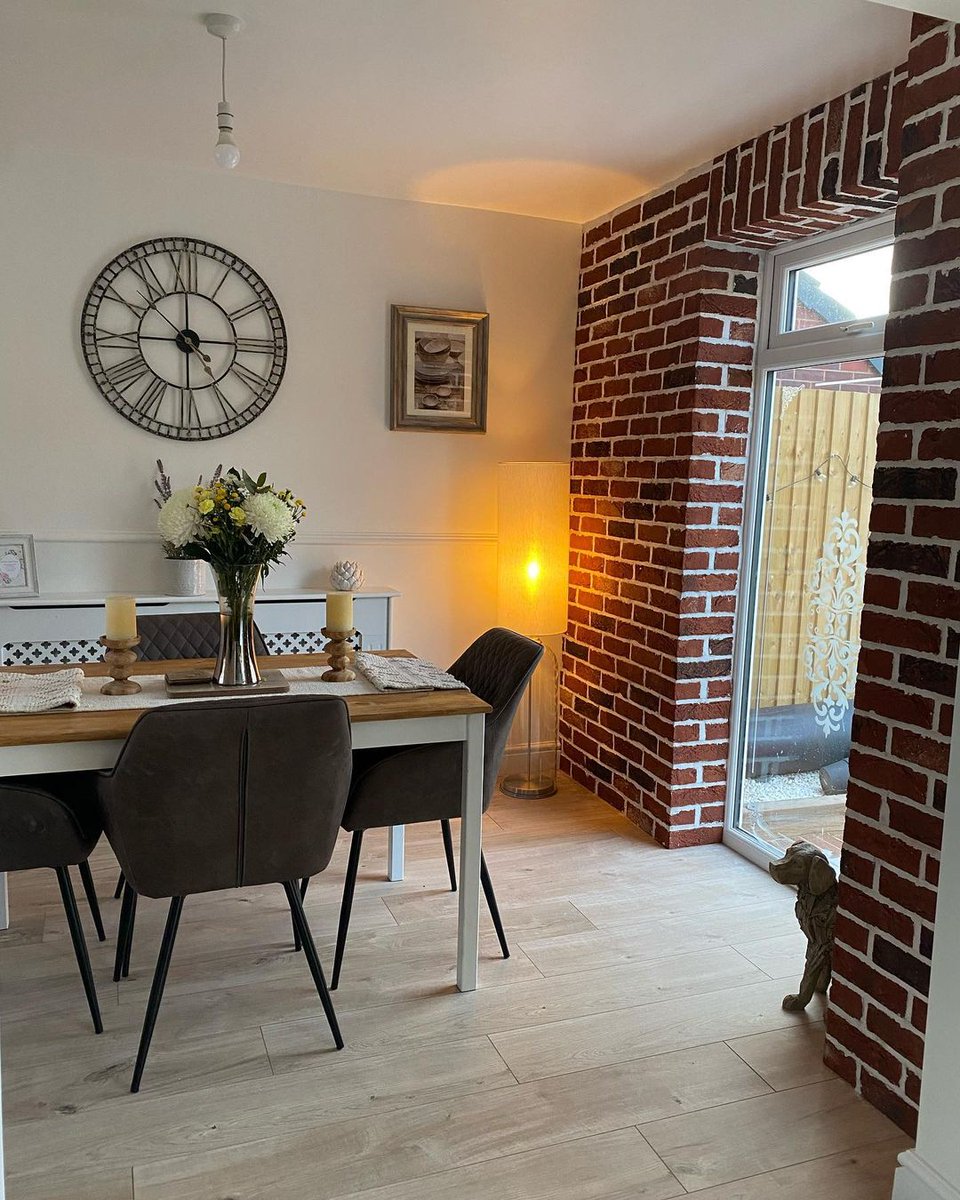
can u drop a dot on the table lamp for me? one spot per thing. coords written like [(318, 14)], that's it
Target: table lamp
[(533, 565)]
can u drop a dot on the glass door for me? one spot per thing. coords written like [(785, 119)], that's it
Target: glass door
[(812, 464)]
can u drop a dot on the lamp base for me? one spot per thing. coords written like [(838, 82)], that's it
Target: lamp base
[(532, 787)]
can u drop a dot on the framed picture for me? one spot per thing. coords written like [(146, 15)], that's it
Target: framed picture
[(438, 369), (18, 565)]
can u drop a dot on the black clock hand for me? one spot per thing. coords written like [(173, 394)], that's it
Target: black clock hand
[(196, 349), (187, 341), (186, 325)]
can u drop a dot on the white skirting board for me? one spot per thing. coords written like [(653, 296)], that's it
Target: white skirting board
[(917, 1180)]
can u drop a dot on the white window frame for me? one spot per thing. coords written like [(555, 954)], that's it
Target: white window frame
[(778, 351)]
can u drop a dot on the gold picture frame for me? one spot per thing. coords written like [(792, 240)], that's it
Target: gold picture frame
[(438, 369)]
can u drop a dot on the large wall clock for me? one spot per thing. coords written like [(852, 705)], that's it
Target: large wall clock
[(183, 338)]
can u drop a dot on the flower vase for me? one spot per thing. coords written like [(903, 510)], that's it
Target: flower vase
[(236, 592)]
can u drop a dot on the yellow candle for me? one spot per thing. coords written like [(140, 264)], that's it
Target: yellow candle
[(340, 611), (121, 618)]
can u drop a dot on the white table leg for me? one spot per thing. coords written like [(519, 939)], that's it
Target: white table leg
[(2, 1172), (395, 852), (4, 918), (471, 824)]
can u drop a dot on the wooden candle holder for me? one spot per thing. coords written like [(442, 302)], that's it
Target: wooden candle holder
[(120, 656), (341, 655)]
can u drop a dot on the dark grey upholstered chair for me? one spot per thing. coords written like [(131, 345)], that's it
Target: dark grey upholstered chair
[(422, 783), (184, 635), (53, 821), (226, 794)]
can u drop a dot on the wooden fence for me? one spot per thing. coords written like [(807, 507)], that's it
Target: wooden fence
[(823, 453)]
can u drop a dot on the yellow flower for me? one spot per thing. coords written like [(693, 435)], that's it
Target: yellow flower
[(238, 516), (205, 506)]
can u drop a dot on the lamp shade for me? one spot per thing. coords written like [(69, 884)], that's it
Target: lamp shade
[(534, 539)]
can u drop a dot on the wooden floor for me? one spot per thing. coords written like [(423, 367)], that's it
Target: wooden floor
[(632, 1046)]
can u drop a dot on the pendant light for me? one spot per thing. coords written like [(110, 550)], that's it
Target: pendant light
[(226, 152)]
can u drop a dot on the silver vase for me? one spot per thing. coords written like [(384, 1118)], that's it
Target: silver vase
[(236, 592)]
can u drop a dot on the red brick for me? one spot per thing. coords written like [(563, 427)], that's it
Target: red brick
[(882, 1096)]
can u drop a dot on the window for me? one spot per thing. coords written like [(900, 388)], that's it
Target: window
[(811, 467)]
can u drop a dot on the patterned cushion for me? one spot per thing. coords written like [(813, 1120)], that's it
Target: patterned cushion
[(184, 635)]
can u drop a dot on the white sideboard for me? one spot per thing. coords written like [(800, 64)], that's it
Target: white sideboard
[(64, 627)]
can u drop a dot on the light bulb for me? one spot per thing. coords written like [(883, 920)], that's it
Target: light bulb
[(226, 152)]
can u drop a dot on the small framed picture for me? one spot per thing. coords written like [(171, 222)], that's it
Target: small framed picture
[(438, 369), (18, 565)]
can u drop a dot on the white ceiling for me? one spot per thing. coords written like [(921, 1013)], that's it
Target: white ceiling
[(556, 108)]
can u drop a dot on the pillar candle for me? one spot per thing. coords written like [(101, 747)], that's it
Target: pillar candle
[(340, 611), (121, 618)]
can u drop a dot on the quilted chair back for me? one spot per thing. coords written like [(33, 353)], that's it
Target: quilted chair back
[(497, 667), (184, 635)]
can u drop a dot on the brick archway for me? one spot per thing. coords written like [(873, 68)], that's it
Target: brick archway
[(661, 409)]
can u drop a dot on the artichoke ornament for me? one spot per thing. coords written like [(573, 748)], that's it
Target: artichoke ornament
[(346, 576)]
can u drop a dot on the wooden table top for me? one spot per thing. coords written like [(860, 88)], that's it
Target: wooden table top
[(77, 725)]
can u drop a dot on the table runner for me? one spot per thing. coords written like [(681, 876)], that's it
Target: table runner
[(304, 681)]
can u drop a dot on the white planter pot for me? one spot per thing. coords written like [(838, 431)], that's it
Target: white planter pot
[(186, 577)]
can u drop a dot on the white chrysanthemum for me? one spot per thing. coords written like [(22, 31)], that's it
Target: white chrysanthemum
[(178, 520), (269, 516)]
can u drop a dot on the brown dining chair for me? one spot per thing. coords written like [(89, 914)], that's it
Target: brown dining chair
[(53, 821), (182, 635), (423, 783), (226, 794)]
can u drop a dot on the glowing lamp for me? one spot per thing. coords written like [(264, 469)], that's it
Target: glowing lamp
[(534, 538)]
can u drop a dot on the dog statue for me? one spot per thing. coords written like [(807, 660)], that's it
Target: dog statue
[(808, 870)]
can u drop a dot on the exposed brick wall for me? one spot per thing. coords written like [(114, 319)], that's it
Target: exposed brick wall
[(911, 616), (663, 382)]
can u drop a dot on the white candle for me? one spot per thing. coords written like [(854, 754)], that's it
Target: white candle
[(340, 611), (121, 618)]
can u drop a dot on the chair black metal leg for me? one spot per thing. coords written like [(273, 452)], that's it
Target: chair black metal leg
[(156, 991), (79, 946), (128, 912), (346, 904), (313, 960), (86, 879), (122, 933), (118, 890), (492, 904), (128, 945), (448, 851), (297, 941)]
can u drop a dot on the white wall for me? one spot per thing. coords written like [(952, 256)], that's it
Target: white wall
[(418, 509)]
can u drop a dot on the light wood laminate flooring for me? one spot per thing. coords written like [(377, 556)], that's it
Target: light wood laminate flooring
[(633, 1046)]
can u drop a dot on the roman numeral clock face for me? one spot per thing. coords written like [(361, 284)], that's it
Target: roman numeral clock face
[(183, 338)]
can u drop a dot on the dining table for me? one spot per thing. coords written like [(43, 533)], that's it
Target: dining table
[(90, 738)]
